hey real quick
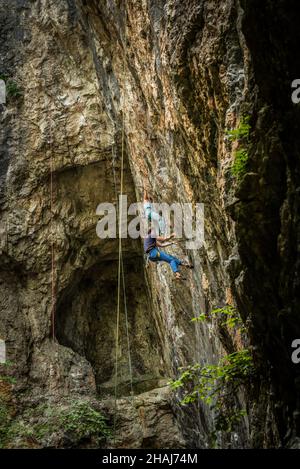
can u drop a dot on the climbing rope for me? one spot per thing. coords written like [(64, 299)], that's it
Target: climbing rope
[(121, 289), (123, 282), (127, 330), (53, 299), (121, 275)]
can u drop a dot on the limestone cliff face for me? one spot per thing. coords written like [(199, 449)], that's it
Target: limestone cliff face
[(181, 76)]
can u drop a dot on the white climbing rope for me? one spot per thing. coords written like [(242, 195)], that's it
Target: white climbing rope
[(121, 275), (123, 283)]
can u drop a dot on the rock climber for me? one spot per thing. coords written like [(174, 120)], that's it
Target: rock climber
[(151, 244), (151, 215)]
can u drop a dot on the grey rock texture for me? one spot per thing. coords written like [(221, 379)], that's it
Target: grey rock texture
[(181, 76)]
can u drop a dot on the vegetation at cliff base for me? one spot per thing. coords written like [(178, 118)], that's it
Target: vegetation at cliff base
[(5, 419), (216, 384), (84, 421), (74, 423), (6, 405)]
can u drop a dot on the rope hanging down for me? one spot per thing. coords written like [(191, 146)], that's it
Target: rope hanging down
[(53, 300), (121, 276), (123, 281)]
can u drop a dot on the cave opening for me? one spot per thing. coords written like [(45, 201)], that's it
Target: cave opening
[(86, 323)]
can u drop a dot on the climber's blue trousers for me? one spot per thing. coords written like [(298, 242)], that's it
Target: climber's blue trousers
[(156, 255)]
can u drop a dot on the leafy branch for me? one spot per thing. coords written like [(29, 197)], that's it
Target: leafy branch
[(216, 384), (229, 314), (242, 132)]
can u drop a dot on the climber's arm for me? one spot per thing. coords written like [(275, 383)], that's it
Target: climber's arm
[(163, 245), (163, 239)]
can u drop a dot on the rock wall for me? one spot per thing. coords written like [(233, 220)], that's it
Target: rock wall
[(178, 75)]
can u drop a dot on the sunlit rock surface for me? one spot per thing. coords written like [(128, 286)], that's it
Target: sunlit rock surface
[(178, 77)]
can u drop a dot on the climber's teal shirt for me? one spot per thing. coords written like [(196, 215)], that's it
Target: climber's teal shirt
[(152, 215), (147, 209)]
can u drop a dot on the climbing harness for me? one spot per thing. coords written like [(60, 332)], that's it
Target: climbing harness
[(147, 258)]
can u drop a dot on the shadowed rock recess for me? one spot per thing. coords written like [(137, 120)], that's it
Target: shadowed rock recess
[(189, 72)]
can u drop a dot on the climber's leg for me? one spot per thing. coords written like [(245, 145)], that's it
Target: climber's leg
[(154, 255), (173, 261)]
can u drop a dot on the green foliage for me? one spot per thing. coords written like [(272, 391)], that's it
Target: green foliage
[(5, 377), (228, 313), (84, 422), (241, 132), (5, 405), (5, 419), (201, 318), (241, 157), (79, 420), (8, 363), (239, 166), (12, 89), (216, 385), (8, 379)]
